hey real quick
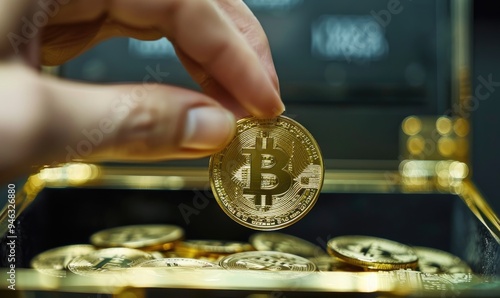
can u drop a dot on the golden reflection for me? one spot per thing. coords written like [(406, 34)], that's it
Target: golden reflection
[(462, 147), (446, 146), (444, 125), (461, 127), (458, 170), (71, 173), (415, 144), (412, 125), (450, 175)]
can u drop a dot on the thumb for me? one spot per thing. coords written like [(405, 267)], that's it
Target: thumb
[(136, 122)]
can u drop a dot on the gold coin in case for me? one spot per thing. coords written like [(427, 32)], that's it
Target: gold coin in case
[(176, 263), (55, 261), (145, 237), (373, 253), (273, 241), (108, 260), (431, 260), (208, 257), (270, 175), (334, 264), (211, 247), (267, 261)]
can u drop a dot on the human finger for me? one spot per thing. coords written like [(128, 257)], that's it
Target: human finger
[(206, 35), (141, 122)]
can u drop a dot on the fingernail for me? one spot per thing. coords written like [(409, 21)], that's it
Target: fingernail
[(281, 108), (208, 128)]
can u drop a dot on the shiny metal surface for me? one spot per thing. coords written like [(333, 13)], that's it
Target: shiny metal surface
[(398, 283), (270, 175)]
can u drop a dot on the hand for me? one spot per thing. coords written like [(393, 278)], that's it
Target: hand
[(46, 120)]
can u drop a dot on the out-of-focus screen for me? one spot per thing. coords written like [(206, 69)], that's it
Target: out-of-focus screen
[(350, 71)]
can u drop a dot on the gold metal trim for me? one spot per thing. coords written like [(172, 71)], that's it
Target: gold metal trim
[(481, 209), (399, 283)]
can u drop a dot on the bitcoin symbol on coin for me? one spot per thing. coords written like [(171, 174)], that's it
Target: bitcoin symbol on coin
[(267, 174), (107, 260), (270, 175), (112, 263)]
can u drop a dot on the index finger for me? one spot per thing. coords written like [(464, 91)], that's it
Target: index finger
[(10, 18), (209, 38)]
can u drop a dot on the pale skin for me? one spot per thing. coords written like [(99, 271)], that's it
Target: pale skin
[(220, 43)]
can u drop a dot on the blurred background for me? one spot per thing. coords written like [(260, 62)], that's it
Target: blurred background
[(351, 72), (485, 119)]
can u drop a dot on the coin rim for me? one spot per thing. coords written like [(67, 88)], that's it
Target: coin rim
[(59, 251), (457, 261), (209, 265), (145, 255), (334, 260), (189, 246), (269, 252), (290, 222), (372, 265)]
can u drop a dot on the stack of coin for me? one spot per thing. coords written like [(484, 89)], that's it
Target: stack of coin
[(55, 261), (108, 260), (372, 253), (210, 250), (133, 244), (436, 261), (281, 242), (331, 264), (176, 263), (267, 261), (161, 249)]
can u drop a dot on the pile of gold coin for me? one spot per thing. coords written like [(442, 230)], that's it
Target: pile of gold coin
[(372, 253), (163, 246), (111, 250)]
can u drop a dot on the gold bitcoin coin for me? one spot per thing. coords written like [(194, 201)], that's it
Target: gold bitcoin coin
[(177, 263), (199, 248), (373, 253), (55, 261), (267, 261), (432, 260), (156, 254), (330, 263), (270, 175), (145, 237), (179, 269), (212, 258), (108, 260), (272, 241)]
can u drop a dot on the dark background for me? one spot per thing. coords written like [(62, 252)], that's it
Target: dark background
[(353, 105), (363, 114), (60, 217), (486, 118)]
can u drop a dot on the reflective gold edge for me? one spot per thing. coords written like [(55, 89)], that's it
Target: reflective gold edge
[(144, 177), (189, 178), (209, 279), (29, 191), (123, 177), (481, 209)]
